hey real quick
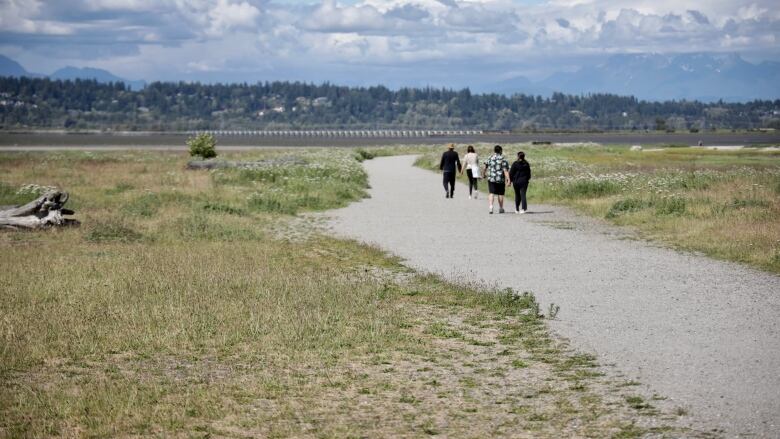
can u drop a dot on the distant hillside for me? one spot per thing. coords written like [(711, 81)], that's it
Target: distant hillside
[(9, 67), (706, 77), (180, 106), (99, 75)]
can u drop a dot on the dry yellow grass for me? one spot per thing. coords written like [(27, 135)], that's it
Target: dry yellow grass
[(173, 311)]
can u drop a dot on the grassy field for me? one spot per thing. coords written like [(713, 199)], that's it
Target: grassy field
[(725, 204), (181, 307)]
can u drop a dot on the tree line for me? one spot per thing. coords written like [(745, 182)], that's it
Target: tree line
[(88, 104)]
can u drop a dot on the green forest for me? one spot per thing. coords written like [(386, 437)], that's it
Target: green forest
[(31, 103)]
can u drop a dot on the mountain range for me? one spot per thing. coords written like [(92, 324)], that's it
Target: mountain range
[(705, 77), (9, 67)]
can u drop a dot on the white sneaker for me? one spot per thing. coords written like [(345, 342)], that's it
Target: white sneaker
[(469, 197), (523, 211), (517, 211)]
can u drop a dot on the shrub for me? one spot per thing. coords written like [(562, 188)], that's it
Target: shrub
[(361, 155), (203, 145)]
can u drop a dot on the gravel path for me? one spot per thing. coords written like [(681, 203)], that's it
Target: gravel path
[(704, 333)]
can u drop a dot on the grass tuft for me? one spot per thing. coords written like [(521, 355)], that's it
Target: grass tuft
[(625, 206), (669, 205), (111, 230)]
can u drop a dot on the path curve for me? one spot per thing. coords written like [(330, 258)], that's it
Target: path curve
[(704, 333)]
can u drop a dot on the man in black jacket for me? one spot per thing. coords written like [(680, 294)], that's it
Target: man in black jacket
[(450, 163), (520, 175)]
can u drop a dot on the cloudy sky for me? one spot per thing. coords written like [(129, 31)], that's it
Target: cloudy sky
[(394, 42)]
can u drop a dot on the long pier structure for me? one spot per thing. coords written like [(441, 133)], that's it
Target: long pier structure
[(340, 133)]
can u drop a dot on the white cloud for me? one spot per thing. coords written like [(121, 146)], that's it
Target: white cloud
[(127, 5), (20, 16), (226, 16), (144, 38), (331, 17)]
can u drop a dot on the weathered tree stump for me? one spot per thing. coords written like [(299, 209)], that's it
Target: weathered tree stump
[(43, 212)]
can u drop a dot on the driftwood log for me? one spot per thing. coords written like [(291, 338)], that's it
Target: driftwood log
[(45, 211)]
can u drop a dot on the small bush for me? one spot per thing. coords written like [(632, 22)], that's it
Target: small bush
[(203, 145), (670, 206), (112, 230), (362, 155), (627, 205)]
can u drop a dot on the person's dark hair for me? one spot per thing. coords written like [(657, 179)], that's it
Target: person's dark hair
[(521, 155), (470, 149), (498, 149)]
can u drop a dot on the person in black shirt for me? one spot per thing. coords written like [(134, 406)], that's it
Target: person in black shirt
[(450, 163), (520, 175)]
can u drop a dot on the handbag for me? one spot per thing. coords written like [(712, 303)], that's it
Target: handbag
[(475, 171)]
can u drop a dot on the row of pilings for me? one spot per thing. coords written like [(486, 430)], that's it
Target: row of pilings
[(339, 133)]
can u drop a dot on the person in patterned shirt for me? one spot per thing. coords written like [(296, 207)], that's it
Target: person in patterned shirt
[(497, 173)]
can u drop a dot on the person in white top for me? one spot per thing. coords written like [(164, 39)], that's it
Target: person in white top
[(471, 166)]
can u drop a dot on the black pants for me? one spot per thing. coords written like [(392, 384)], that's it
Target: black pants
[(449, 180), (472, 181), (520, 190)]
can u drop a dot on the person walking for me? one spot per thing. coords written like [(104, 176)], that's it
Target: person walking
[(450, 163), (520, 175), (471, 165), (498, 178)]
